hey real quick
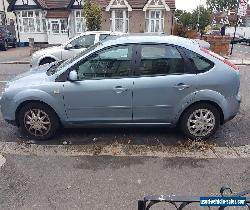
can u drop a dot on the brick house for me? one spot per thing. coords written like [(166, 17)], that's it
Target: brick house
[(6, 18), (55, 21)]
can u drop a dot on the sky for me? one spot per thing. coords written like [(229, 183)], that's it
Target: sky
[(188, 5)]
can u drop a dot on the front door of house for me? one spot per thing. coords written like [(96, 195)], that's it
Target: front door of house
[(57, 30)]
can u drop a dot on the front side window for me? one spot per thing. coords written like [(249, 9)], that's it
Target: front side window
[(160, 60), (119, 21), (83, 41), (154, 21), (110, 63)]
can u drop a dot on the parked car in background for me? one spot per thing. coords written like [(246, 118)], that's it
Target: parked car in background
[(242, 34), (71, 48), (236, 38), (7, 39), (130, 80)]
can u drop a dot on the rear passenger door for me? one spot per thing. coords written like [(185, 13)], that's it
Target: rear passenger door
[(163, 82)]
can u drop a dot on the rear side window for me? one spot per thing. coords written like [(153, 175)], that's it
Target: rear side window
[(160, 60), (199, 62), (103, 36)]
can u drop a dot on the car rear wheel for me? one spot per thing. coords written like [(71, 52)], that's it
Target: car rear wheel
[(38, 121), (200, 121), (46, 61)]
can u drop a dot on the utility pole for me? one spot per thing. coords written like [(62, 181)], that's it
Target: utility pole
[(199, 14), (5, 15)]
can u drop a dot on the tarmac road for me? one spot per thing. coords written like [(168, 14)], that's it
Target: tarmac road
[(113, 183)]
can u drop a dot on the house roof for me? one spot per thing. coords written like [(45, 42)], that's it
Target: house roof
[(58, 14), (135, 4), (65, 4), (54, 4)]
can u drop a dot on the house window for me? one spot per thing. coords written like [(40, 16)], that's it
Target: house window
[(58, 26), (154, 21), (31, 22), (1, 18), (79, 21), (119, 21)]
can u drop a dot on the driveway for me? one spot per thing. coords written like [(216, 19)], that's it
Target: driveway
[(15, 54)]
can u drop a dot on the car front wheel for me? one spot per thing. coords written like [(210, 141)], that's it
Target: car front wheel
[(200, 121), (5, 46), (38, 121)]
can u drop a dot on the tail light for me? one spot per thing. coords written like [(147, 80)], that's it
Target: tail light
[(229, 63)]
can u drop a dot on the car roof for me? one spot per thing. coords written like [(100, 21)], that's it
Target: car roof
[(101, 32), (147, 39)]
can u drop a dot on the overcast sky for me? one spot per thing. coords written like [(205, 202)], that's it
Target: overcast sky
[(188, 5)]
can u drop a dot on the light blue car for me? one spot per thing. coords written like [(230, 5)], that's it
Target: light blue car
[(127, 81)]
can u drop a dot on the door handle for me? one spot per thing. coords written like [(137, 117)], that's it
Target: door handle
[(182, 86), (120, 89)]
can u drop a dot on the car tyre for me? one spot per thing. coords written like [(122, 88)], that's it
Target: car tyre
[(14, 45), (5, 46), (46, 61), (38, 121), (200, 121)]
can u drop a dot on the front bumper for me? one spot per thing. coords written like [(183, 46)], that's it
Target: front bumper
[(6, 107)]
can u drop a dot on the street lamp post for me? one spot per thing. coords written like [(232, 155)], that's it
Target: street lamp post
[(199, 14)]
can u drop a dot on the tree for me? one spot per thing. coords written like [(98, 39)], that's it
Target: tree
[(189, 20), (185, 19), (204, 19), (92, 14), (222, 5)]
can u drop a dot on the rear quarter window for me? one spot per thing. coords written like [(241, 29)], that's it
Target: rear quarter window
[(200, 63)]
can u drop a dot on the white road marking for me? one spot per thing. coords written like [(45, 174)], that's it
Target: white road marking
[(2, 161)]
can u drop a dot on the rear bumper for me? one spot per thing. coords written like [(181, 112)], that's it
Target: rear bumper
[(232, 108)]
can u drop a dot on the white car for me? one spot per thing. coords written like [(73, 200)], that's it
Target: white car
[(71, 48)]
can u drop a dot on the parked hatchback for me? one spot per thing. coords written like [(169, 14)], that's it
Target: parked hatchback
[(7, 39), (133, 80), (71, 48)]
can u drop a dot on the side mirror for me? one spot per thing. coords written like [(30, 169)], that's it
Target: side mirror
[(69, 47), (73, 76)]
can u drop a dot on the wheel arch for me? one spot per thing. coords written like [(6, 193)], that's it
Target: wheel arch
[(47, 57), (217, 106), (24, 103)]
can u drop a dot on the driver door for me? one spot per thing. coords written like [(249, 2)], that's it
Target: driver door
[(103, 92), (78, 45)]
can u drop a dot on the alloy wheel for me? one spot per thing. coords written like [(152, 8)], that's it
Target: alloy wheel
[(201, 122), (37, 122)]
